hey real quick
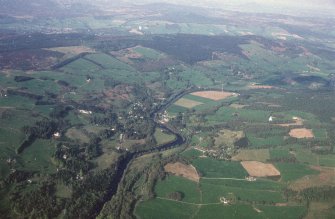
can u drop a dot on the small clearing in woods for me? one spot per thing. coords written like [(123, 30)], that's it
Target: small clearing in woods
[(214, 95), (180, 169), (301, 133), (259, 169)]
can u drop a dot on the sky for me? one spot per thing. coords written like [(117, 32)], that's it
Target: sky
[(273, 6)]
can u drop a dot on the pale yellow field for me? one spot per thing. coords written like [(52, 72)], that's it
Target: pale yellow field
[(72, 49), (261, 155), (187, 103), (259, 169), (180, 169), (214, 95)]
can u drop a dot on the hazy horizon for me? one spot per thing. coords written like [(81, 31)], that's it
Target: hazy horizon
[(298, 7)]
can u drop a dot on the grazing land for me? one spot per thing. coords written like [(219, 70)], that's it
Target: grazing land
[(165, 111)]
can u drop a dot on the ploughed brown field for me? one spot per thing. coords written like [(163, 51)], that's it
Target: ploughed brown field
[(301, 133), (214, 95), (259, 169), (180, 169)]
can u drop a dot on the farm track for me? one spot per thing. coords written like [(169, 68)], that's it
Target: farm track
[(190, 203), (224, 178)]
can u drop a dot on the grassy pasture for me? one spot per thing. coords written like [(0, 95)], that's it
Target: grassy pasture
[(162, 137), (191, 153), (201, 139), (247, 115), (148, 53), (77, 135), (218, 168), (37, 157), (17, 119), (293, 171), (81, 67), (164, 209), (267, 141), (17, 102), (198, 98), (279, 212), (228, 137), (211, 193), (174, 109), (40, 87), (233, 211), (308, 157), (260, 184), (321, 210), (63, 191), (109, 62), (176, 183), (280, 153)]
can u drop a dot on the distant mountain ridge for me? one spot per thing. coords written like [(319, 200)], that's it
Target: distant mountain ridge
[(44, 7)]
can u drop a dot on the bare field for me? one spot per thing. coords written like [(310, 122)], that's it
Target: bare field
[(180, 169), (259, 169), (301, 133), (261, 155), (214, 95), (72, 49), (183, 102)]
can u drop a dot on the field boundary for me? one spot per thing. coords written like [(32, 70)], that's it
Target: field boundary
[(214, 178)]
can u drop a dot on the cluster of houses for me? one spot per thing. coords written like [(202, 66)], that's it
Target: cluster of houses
[(164, 117)]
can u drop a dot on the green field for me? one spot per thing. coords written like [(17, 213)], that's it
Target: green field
[(162, 137), (212, 192), (37, 157), (293, 171), (164, 209), (172, 183), (108, 61), (191, 154), (219, 169)]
